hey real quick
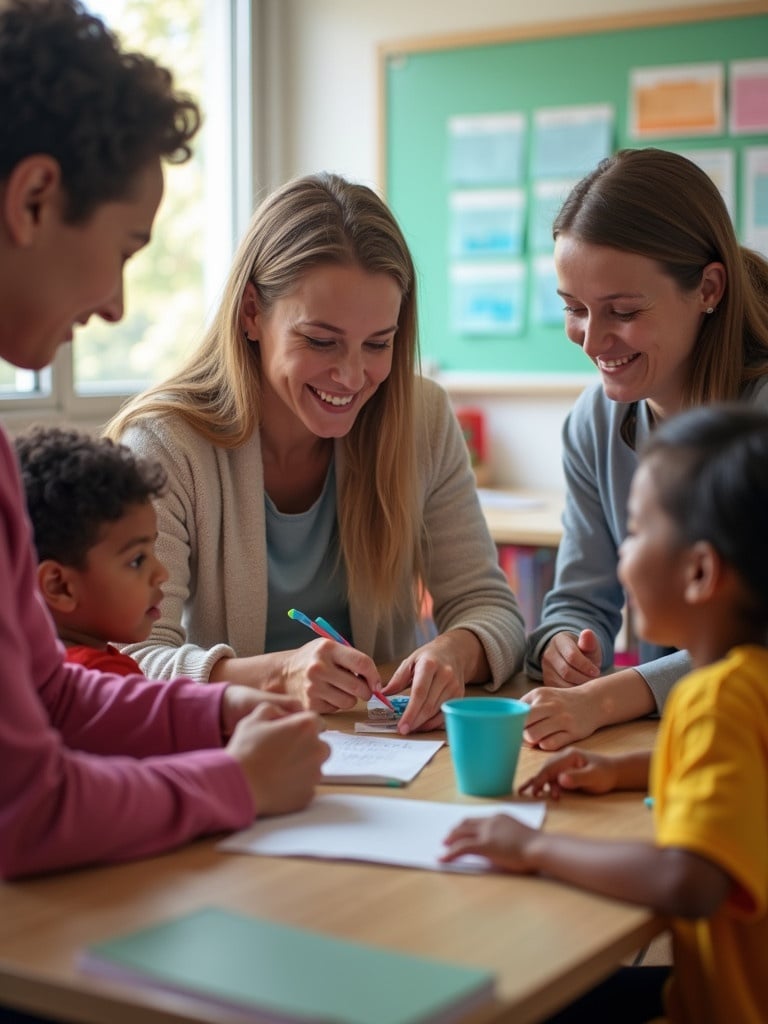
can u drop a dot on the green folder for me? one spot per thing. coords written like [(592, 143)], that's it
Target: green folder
[(273, 972)]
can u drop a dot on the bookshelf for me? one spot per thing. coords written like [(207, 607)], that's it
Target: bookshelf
[(526, 528)]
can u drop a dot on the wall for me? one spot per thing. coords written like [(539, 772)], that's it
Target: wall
[(328, 88)]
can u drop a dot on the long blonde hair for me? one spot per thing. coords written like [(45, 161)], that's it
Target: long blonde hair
[(311, 221), (661, 205)]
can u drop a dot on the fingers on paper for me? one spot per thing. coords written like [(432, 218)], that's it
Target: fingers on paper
[(432, 683)]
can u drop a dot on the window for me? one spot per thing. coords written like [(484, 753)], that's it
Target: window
[(164, 283), (172, 285), (17, 382)]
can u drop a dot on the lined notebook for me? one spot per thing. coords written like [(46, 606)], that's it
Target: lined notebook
[(274, 973), (362, 760)]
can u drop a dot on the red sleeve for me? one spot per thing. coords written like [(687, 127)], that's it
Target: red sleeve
[(108, 660)]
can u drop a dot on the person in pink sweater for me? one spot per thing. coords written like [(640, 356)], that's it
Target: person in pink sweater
[(98, 767)]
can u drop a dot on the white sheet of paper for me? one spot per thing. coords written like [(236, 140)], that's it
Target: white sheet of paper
[(394, 761), (379, 829)]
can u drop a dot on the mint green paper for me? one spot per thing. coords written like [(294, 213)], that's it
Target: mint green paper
[(290, 974)]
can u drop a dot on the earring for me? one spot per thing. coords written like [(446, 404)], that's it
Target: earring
[(710, 309), (251, 341)]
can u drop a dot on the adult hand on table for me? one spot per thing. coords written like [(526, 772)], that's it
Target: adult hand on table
[(323, 675), (328, 676), (436, 672), (559, 717), (562, 716), (569, 660), (281, 756)]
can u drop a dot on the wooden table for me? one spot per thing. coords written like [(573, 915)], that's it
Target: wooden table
[(545, 942), (529, 517)]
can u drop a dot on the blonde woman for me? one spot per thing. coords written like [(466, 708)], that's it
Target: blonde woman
[(311, 467)]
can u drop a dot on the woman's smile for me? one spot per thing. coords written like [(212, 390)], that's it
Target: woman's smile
[(616, 364), (336, 401)]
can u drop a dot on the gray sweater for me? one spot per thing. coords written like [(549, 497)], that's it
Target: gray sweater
[(598, 466), (213, 543)]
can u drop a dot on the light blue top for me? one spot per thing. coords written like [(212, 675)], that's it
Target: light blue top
[(302, 554), (212, 540)]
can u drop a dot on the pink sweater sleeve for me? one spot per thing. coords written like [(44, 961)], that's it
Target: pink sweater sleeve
[(95, 767)]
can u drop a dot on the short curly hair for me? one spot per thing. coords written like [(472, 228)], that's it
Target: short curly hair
[(68, 90), (75, 484)]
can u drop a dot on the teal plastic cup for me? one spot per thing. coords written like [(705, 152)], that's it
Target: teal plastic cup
[(484, 736)]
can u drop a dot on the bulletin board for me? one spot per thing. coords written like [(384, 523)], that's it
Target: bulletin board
[(429, 88)]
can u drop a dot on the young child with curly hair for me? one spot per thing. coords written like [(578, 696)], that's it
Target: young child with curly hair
[(94, 525)]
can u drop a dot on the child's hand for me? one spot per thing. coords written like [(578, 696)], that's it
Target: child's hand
[(503, 840), (574, 768), (239, 701)]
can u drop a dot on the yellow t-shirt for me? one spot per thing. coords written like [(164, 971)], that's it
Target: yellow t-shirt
[(709, 779)]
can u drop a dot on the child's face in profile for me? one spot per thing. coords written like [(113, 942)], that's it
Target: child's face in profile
[(119, 590), (652, 564)]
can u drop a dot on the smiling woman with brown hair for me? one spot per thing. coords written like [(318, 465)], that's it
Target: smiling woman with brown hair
[(674, 313)]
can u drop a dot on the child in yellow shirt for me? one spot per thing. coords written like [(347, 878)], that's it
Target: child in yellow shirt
[(695, 567)]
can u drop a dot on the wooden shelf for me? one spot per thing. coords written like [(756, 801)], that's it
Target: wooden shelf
[(524, 517)]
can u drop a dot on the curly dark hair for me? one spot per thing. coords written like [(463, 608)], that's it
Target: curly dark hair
[(67, 89), (75, 483)]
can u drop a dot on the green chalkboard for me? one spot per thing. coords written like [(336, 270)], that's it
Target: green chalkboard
[(427, 83)]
